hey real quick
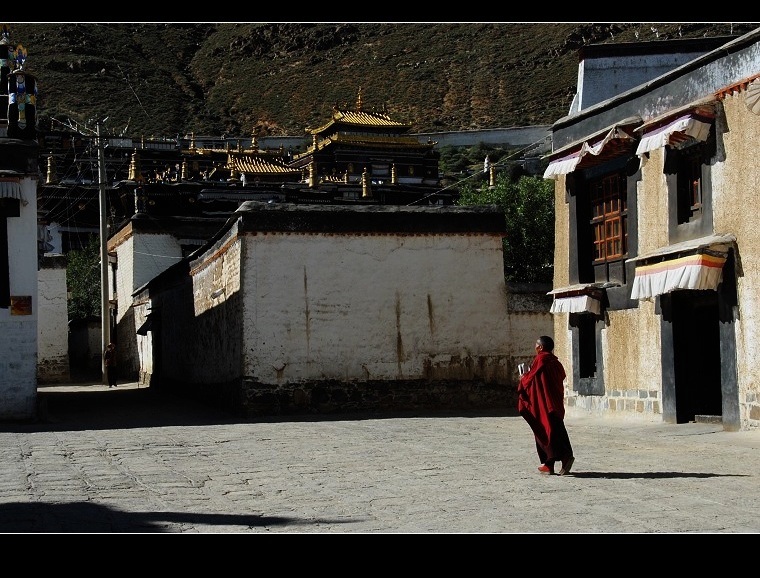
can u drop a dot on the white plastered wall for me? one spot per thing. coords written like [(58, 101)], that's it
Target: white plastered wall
[(373, 307)]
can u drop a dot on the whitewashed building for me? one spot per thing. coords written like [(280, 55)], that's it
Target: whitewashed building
[(320, 309), (19, 306), (19, 175), (655, 286)]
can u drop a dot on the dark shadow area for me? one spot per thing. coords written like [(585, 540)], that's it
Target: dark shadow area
[(388, 414), (97, 407), (651, 475), (116, 409), (86, 517)]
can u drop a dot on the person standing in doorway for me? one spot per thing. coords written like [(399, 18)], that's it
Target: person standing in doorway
[(109, 357), (541, 402)]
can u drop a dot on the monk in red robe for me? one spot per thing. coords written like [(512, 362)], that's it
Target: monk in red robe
[(541, 402)]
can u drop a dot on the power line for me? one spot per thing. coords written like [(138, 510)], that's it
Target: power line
[(472, 176), (133, 92)]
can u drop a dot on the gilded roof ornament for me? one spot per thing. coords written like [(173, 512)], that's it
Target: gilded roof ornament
[(18, 56)]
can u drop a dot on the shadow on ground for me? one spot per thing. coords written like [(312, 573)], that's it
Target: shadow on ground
[(101, 408), (74, 517)]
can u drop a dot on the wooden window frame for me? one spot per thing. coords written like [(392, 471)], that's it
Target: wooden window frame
[(689, 184), (609, 217)]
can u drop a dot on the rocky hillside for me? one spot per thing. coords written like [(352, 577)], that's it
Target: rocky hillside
[(281, 78)]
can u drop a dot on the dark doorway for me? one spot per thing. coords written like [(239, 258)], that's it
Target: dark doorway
[(696, 354)]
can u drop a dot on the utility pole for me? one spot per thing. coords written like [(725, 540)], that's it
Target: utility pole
[(105, 312)]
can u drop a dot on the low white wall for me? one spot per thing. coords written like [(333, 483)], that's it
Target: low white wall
[(18, 325), (52, 328), (374, 307)]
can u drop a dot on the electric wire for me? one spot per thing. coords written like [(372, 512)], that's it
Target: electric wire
[(476, 174)]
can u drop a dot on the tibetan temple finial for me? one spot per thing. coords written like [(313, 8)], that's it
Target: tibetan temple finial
[(51, 176), (359, 101), (19, 57), (135, 173), (22, 96)]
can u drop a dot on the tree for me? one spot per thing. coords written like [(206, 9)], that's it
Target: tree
[(83, 281), (528, 206), (456, 160)]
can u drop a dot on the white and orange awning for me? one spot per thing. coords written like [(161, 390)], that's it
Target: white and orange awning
[(696, 264)]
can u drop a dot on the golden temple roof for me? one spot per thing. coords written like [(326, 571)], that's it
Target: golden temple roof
[(361, 119), (358, 119), (253, 164)]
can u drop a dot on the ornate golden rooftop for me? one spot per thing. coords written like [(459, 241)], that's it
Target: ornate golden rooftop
[(253, 164), (360, 118)]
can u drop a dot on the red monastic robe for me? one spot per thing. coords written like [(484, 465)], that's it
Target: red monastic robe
[(541, 392)]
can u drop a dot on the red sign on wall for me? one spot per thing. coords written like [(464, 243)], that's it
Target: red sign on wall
[(21, 305)]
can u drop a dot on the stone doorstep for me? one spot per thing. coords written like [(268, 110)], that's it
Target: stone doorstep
[(708, 419)]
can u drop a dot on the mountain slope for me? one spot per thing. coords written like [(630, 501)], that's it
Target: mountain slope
[(281, 78)]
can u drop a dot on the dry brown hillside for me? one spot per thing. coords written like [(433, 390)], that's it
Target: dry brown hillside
[(281, 78)]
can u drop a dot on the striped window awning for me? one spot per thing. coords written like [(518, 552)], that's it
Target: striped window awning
[(11, 189), (686, 127), (580, 298), (599, 146), (696, 264), (576, 304), (562, 166)]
